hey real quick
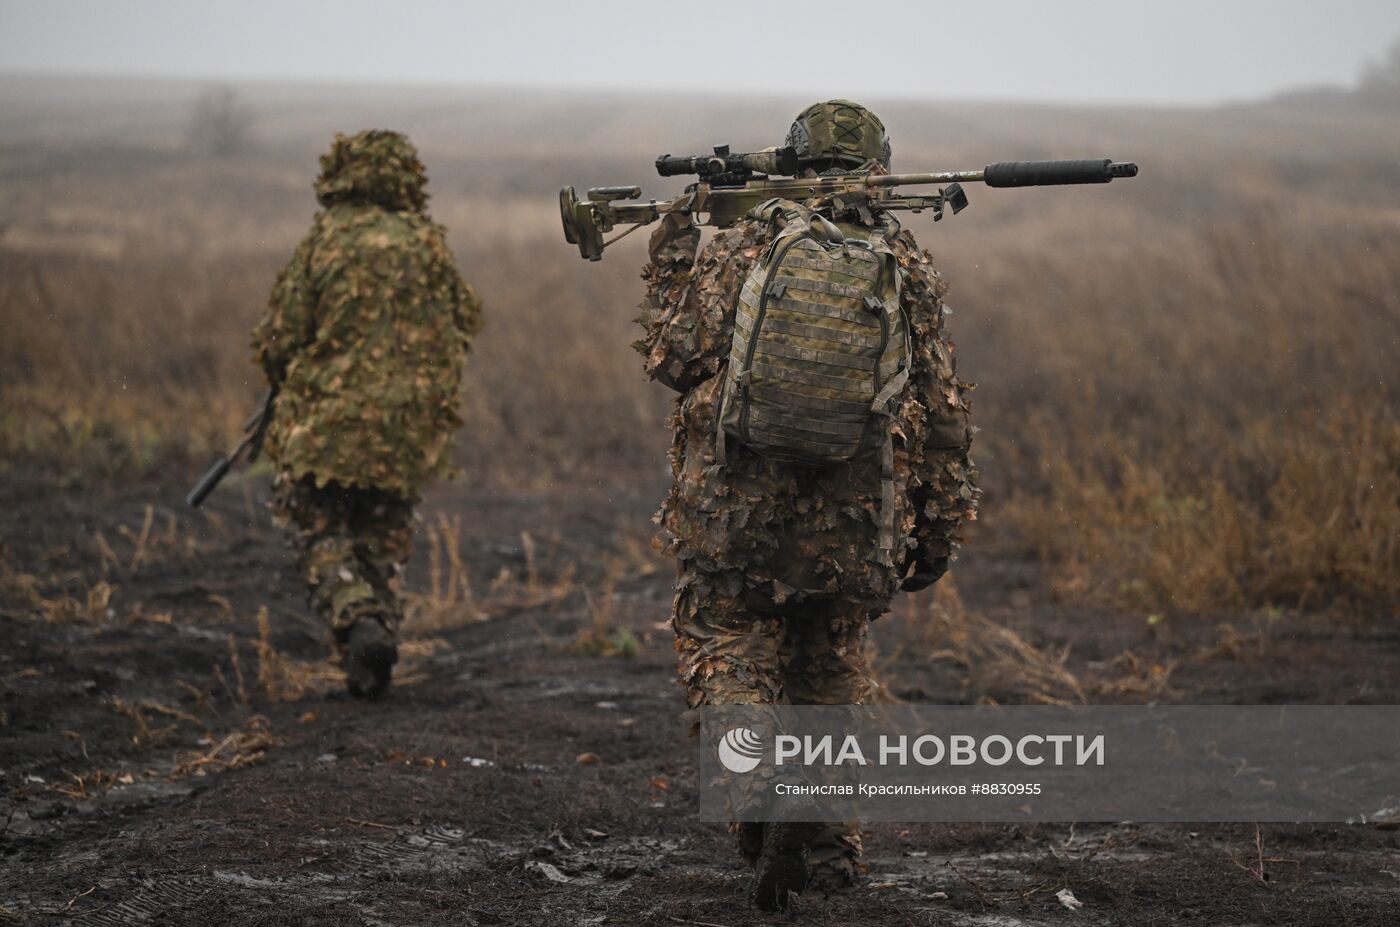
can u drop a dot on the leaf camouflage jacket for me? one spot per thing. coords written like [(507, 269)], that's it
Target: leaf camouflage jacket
[(367, 330)]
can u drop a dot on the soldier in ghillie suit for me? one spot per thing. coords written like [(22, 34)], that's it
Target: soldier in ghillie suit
[(783, 564), (364, 341)]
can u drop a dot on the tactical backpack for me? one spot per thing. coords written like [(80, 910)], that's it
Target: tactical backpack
[(821, 348)]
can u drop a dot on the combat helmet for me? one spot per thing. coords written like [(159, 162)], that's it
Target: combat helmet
[(374, 166), (839, 135)]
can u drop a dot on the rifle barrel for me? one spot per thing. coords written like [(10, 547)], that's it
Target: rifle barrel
[(1018, 174), (899, 180)]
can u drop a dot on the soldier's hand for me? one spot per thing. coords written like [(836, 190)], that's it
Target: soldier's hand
[(676, 234), (924, 573)]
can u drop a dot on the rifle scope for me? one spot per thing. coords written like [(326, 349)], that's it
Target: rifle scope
[(781, 161)]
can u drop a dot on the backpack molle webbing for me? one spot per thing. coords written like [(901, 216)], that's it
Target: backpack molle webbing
[(821, 348)]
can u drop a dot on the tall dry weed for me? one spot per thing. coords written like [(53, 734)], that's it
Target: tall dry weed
[(1238, 447)]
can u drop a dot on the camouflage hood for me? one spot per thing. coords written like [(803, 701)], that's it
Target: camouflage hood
[(374, 166)]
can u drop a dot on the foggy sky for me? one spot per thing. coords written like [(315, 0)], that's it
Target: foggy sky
[(1187, 51)]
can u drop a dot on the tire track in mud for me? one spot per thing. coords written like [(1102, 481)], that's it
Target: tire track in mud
[(438, 849), (153, 902)]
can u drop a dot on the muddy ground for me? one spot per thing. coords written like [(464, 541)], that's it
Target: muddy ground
[(517, 777)]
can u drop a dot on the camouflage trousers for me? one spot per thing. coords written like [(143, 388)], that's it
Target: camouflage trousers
[(353, 545), (736, 650)]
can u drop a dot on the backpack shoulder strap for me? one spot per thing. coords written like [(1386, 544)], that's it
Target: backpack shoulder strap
[(779, 213), (883, 405)]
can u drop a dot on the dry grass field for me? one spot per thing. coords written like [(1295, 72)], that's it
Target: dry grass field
[(1186, 382), (1190, 445)]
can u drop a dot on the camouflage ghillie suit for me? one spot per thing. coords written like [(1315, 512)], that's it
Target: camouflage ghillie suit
[(779, 572), (365, 339)]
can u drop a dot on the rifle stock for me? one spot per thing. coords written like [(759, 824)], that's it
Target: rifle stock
[(211, 478), (254, 431)]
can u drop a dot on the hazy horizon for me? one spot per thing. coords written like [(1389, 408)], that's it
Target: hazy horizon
[(1077, 52)]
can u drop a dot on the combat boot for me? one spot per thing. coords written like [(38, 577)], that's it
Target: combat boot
[(370, 655), (831, 876), (781, 869), (834, 862)]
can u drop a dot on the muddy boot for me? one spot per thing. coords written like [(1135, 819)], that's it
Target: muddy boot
[(781, 869), (370, 655), (834, 863), (830, 876)]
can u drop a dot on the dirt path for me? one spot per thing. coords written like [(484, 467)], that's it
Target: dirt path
[(512, 777)]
